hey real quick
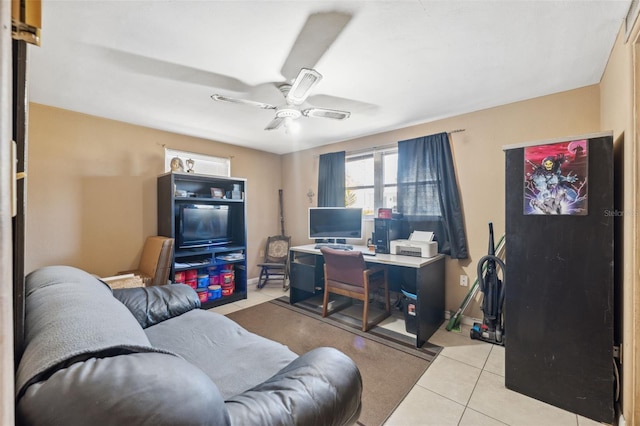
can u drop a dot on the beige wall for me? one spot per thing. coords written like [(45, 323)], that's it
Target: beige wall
[(92, 189), (617, 113), (479, 161)]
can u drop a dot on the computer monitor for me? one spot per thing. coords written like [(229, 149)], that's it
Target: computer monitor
[(335, 223)]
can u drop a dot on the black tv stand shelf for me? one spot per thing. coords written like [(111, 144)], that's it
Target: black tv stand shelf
[(171, 190), (209, 200), (185, 260), (208, 250)]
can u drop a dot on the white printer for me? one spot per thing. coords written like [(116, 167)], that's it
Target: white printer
[(419, 244)]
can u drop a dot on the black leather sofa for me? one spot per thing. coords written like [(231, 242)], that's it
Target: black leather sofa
[(150, 356)]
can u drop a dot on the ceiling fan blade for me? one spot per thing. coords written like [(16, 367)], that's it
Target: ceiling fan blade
[(318, 34), (342, 103), (303, 85), (242, 101), (326, 113), (275, 123), (141, 64)]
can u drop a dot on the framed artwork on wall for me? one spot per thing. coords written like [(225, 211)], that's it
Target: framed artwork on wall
[(556, 178), (217, 192)]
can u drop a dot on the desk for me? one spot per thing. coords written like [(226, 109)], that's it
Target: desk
[(423, 277)]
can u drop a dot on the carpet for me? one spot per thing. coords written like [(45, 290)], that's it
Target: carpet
[(388, 371), (348, 315)]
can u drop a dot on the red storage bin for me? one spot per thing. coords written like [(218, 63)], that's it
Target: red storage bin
[(227, 282), (203, 294)]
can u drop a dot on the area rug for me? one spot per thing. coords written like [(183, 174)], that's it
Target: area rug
[(388, 373), (351, 319)]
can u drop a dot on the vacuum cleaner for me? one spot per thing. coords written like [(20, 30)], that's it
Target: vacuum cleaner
[(492, 328)]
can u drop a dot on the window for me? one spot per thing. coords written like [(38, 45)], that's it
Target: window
[(202, 163), (371, 180)]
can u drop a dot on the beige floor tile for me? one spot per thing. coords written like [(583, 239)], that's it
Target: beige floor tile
[(422, 407), (461, 348), (253, 299), (473, 418), (491, 398), (583, 421), (444, 338), (273, 289), (450, 378), (495, 362)]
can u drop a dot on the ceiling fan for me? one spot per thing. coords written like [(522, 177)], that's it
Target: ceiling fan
[(294, 94), (317, 35)]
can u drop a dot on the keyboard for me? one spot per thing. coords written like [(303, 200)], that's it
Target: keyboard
[(334, 246)]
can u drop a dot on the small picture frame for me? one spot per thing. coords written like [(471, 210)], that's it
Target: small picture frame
[(385, 213), (217, 193)]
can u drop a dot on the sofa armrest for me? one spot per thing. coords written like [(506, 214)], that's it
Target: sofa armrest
[(151, 305), (321, 387), (148, 389)]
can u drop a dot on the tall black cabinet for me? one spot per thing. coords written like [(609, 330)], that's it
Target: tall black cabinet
[(176, 189), (560, 292), (20, 115)]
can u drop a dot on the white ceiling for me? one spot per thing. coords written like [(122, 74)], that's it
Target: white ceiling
[(394, 64)]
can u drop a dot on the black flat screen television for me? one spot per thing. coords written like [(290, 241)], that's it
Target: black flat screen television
[(201, 225), (335, 223)]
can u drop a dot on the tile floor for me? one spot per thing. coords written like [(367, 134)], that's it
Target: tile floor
[(464, 386)]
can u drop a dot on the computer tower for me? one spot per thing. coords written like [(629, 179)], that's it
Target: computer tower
[(385, 231)]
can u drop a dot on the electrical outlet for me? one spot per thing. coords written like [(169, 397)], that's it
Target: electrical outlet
[(464, 280)]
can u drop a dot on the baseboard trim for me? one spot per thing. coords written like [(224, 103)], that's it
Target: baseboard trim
[(620, 420)]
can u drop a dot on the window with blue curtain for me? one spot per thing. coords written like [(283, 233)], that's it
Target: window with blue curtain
[(428, 194), (331, 180)]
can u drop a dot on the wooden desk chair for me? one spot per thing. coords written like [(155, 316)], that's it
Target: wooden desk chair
[(346, 273), (276, 261), (155, 261)]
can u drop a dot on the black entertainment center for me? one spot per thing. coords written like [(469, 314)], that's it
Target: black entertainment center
[(206, 215)]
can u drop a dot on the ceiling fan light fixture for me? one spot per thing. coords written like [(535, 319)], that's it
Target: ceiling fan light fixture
[(288, 113), (303, 84), (291, 125)]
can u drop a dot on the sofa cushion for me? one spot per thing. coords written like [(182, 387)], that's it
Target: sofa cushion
[(151, 305), (322, 387), (72, 316), (135, 389), (235, 359)]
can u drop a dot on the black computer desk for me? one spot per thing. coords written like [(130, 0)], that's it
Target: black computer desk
[(425, 276)]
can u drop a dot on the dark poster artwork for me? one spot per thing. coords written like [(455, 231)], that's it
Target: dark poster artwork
[(555, 179)]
